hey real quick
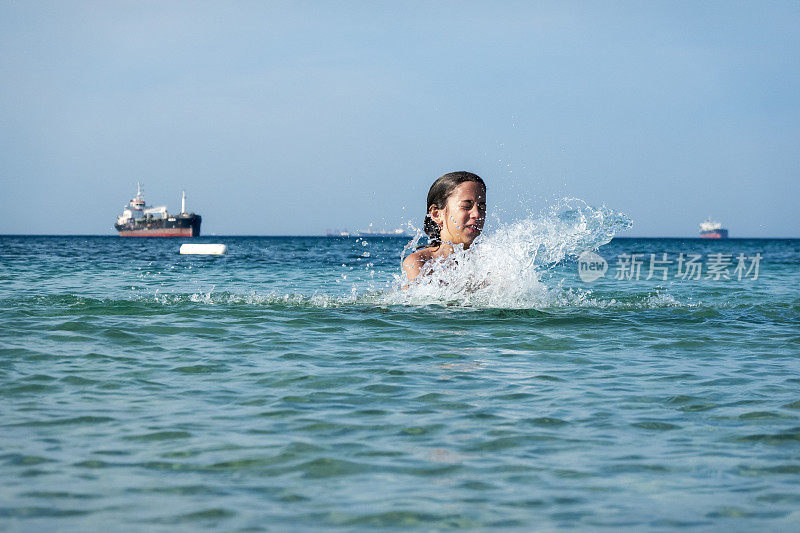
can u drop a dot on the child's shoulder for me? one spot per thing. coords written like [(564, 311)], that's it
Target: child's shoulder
[(421, 254), (413, 263)]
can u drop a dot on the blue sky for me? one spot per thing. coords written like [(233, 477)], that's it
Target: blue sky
[(283, 118)]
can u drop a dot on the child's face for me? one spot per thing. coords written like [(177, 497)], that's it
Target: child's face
[(462, 218)]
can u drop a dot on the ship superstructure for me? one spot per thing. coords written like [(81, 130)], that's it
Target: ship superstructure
[(712, 230), (140, 220)]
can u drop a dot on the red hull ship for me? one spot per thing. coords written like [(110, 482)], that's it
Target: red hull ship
[(140, 220), (712, 230)]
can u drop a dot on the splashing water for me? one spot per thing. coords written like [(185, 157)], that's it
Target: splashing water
[(517, 265), (507, 267)]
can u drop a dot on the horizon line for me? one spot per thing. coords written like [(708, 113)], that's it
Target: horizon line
[(349, 236)]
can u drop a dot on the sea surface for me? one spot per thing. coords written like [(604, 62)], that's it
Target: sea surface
[(294, 385)]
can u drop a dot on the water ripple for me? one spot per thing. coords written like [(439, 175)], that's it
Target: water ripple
[(251, 393)]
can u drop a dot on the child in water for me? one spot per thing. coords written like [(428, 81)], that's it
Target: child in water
[(456, 212)]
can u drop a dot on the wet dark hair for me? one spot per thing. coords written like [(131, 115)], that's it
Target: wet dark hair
[(438, 194)]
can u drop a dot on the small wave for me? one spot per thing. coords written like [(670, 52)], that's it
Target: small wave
[(260, 299), (549, 298)]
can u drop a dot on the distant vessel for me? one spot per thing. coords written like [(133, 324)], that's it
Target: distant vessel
[(712, 230), (382, 233), (367, 233), (140, 220)]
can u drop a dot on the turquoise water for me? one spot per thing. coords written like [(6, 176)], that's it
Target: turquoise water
[(290, 385)]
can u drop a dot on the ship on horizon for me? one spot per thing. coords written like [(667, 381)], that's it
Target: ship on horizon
[(140, 220), (371, 232), (399, 232), (712, 230)]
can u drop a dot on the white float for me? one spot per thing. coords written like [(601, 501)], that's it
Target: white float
[(203, 249)]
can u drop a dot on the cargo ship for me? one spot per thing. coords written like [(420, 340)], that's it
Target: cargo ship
[(399, 232), (367, 233), (712, 230), (140, 220)]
